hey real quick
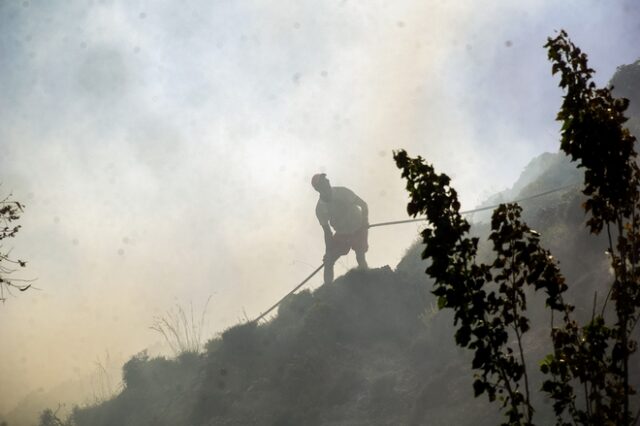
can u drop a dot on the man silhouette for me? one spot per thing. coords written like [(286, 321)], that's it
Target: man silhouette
[(341, 209)]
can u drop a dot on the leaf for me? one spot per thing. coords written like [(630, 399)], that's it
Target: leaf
[(478, 387)]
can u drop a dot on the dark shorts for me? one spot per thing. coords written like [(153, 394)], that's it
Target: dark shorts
[(342, 243)]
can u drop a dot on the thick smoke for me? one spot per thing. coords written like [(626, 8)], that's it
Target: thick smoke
[(164, 149)]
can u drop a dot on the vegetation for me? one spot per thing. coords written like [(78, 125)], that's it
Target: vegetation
[(10, 211), (181, 330), (103, 387), (489, 299), (50, 418), (326, 357)]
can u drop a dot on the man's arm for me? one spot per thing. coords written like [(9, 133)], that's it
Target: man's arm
[(323, 217), (328, 237), (364, 207)]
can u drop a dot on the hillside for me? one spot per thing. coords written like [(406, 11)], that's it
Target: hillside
[(370, 349), (344, 354)]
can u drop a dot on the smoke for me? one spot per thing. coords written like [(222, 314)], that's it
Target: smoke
[(164, 149)]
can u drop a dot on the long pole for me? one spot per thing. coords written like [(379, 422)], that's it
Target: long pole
[(397, 222), (479, 209), (262, 315)]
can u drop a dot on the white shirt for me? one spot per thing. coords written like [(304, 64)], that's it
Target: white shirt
[(341, 212)]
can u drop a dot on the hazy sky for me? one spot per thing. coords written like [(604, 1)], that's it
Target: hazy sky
[(164, 149)]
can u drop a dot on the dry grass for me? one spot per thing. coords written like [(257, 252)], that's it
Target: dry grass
[(181, 329)]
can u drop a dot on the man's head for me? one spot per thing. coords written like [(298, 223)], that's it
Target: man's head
[(321, 184)]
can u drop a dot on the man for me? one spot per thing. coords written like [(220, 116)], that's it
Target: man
[(348, 214)]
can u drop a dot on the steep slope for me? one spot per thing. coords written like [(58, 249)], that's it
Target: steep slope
[(626, 84)]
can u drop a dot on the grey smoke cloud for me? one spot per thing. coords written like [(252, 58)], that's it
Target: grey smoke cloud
[(164, 149)]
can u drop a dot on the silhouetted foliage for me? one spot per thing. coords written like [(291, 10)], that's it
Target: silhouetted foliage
[(10, 211), (181, 330), (597, 355), (50, 418), (489, 300)]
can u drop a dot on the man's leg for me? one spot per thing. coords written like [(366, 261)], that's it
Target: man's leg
[(328, 269), (362, 260), (339, 247), (361, 245)]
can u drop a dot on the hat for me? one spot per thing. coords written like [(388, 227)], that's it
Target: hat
[(316, 179)]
